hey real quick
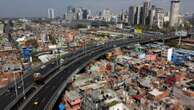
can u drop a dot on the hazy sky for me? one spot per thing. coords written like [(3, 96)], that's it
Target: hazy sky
[(38, 8)]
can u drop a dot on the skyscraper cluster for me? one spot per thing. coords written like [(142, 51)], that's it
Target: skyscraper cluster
[(146, 15), (107, 15), (77, 13), (152, 16)]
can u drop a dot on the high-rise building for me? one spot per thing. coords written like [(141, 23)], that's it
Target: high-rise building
[(80, 14), (107, 15), (137, 19), (174, 13), (152, 15), (124, 16), (86, 13), (1, 27), (51, 13), (159, 18), (77, 13), (70, 13), (146, 8), (135, 15), (132, 11), (167, 17)]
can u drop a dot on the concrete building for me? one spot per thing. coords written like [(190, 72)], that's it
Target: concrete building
[(123, 16), (70, 14), (159, 18), (135, 15), (174, 13), (193, 16), (86, 13), (72, 100), (132, 11), (152, 15), (167, 17), (107, 15), (1, 27), (51, 13), (138, 15), (80, 14), (146, 8)]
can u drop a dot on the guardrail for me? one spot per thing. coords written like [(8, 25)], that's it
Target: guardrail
[(57, 94), (14, 104), (76, 54), (65, 66), (52, 101)]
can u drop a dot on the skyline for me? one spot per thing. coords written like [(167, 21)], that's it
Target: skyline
[(37, 8)]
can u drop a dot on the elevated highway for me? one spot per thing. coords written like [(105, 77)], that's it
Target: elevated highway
[(56, 76), (9, 97), (50, 92)]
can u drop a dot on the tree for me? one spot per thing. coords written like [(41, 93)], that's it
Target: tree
[(52, 39)]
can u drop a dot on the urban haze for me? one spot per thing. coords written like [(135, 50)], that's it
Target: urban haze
[(37, 8)]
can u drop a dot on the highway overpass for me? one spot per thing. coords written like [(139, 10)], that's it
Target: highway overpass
[(47, 94)]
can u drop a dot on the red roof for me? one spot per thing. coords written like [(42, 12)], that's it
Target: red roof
[(137, 97)]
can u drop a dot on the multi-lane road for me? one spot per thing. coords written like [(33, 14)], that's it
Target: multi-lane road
[(44, 95), (9, 95), (49, 70)]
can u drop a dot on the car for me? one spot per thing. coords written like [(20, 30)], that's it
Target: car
[(61, 61), (36, 102), (42, 67), (19, 86)]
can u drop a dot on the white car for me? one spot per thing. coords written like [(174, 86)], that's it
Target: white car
[(43, 66)]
